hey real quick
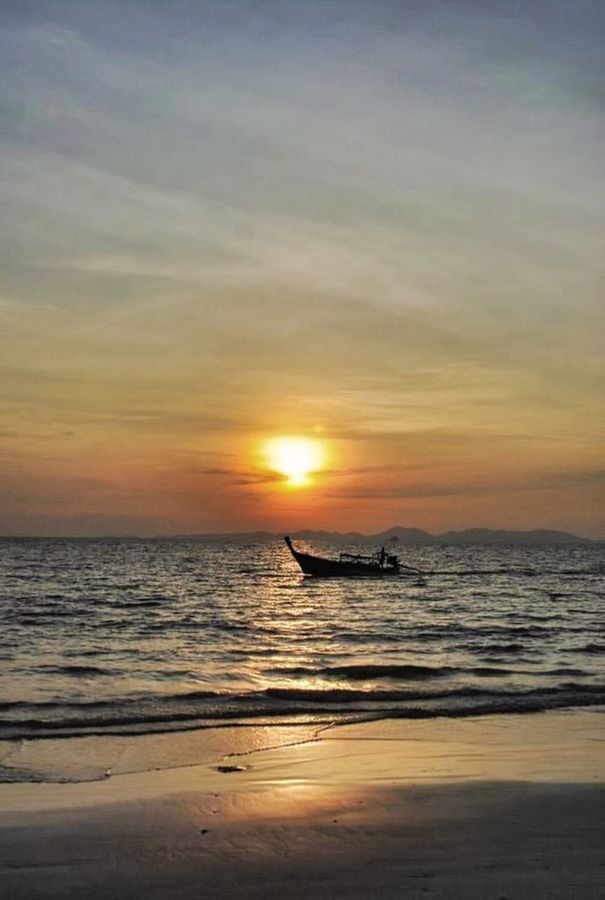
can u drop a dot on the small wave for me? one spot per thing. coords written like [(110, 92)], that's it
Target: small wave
[(573, 686), (531, 617), (81, 670), (364, 672), (339, 695), (280, 703), (31, 620), (450, 629), (118, 702), (592, 648), (349, 695), (523, 573), (487, 671), (500, 648), (566, 670), (133, 603), (361, 637)]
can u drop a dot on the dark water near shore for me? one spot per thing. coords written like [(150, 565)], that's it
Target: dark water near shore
[(129, 636)]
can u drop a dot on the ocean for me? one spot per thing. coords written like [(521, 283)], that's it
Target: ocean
[(125, 636)]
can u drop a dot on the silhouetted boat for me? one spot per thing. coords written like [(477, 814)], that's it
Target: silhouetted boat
[(350, 564)]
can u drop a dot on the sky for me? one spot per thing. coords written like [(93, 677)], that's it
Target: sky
[(377, 224)]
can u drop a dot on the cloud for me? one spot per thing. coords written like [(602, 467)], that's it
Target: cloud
[(534, 482), (226, 220), (240, 477)]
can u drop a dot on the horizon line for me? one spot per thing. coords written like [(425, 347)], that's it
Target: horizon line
[(300, 531)]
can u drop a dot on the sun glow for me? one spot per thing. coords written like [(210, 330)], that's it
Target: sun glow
[(295, 457)]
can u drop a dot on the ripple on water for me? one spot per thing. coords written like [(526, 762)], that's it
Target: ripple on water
[(140, 625)]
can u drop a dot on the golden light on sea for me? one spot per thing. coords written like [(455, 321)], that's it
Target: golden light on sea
[(296, 458)]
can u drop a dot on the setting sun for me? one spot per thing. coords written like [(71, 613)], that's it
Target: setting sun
[(294, 457)]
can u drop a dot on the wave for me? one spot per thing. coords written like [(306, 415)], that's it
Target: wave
[(503, 570), (134, 603), (592, 648), (109, 703), (366, 671), (80, 670), (202, 709), (499, 648)]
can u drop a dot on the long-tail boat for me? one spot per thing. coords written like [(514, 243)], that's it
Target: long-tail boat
[(377, 564)]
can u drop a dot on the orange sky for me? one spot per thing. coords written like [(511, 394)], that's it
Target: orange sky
[(379, 229)]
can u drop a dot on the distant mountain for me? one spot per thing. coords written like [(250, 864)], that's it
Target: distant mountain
[(414, 536), (489, 536), (308, 535), (398, 535)]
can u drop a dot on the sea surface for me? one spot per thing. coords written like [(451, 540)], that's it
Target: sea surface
[(110, 636)]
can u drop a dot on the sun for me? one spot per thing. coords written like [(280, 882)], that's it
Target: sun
[(294, 457)]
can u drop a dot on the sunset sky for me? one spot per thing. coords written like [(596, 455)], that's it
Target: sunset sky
[(374, 224)]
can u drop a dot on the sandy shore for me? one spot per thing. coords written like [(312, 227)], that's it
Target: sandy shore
[(493, 807)]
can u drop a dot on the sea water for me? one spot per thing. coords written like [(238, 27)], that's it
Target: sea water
[(114, 637)]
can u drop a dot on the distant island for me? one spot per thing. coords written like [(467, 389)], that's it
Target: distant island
[(405, 536)]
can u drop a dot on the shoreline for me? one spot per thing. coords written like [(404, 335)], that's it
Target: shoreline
[(449, 808), (84, 758)]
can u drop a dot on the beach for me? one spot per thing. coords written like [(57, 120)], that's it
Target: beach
[(494, 806)]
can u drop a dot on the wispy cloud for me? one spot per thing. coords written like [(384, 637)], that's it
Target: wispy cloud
[(535, 482), (226, 219)]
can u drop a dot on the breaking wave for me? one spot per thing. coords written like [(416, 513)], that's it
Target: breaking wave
[(22, 720)]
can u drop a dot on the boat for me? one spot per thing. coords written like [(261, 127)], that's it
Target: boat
[(349, 565)]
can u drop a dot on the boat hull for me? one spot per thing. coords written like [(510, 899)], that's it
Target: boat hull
[(334, 568)]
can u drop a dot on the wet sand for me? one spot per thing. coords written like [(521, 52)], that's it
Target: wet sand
[(502, 807)]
